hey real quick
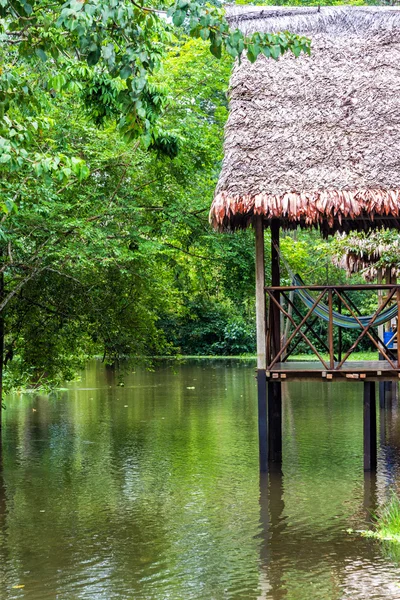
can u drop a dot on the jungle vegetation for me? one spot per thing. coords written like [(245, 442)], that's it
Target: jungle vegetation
[(111, 132)]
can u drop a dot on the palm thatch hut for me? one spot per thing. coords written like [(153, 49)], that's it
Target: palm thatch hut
[(312, 141), (375, 255)]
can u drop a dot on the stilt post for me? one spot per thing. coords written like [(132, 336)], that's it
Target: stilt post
[(275, 422), (275, 388), (275, 317), (369, 426), (261, 344)]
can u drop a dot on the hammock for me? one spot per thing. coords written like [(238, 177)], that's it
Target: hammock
[(342, 320)]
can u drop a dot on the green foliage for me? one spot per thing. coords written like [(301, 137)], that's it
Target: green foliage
[(388, 519), (387, 525), (211, 328), (109, 51)]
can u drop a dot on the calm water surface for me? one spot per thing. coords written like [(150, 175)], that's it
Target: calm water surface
[(152, 491)]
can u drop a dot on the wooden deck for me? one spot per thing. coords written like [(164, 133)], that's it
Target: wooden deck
[(374, 370)]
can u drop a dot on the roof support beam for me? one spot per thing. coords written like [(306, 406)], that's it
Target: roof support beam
[(260, 294), (275, 316)]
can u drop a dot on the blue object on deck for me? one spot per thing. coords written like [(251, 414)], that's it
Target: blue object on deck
[(388, 337)]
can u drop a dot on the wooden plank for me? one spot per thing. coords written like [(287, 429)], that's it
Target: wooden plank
[(349, 367), (364, 286), (370, 449), (358, 370), (260, 294)]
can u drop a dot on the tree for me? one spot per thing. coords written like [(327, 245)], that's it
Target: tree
[(87, 220)]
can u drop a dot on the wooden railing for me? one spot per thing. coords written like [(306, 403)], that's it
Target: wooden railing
[(303, 322)]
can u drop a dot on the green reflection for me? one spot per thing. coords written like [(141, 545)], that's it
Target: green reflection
[(152, 490)]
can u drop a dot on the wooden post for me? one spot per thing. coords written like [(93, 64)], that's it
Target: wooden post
[(369, 426), (275, 422), (397, 331), (388, 281), (275, 388), (340, 331), (330, 330), (261, 344), (380, 302), (275, 281)]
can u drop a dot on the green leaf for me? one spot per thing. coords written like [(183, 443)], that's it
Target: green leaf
[(94, 57), (179, 17), (296, 50), (41, 54), (266, 51), (125, 72), (28, 8), (275, 52)]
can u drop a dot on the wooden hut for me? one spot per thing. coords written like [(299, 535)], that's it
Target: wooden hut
[(376, 256), (313, 141)]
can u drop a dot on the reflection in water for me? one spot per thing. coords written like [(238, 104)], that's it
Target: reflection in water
[(152, 491)]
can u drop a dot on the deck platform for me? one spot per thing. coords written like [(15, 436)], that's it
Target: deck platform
[(371, 370)]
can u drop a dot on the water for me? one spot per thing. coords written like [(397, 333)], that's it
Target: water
[(152, 491)]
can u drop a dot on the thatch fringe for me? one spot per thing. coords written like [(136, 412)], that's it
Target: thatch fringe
[(328, 209)]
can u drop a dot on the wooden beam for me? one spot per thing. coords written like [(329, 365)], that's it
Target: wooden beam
[(316, 288), (260, 294), (275, 282), (261, 345), (330, 330)]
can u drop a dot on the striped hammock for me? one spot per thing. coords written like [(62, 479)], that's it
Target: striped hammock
[(322, 311)]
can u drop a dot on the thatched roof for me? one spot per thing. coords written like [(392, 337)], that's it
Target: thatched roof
[(366, 254), (315, 140)]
